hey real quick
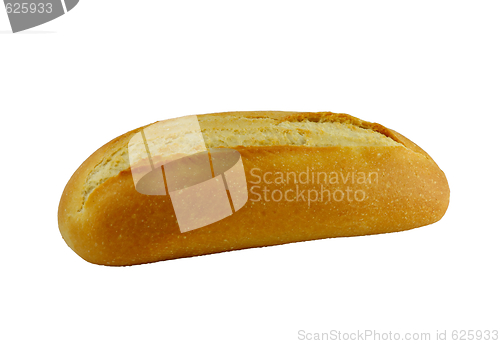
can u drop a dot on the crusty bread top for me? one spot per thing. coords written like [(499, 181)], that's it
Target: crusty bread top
[(232, 131), (259, 128)]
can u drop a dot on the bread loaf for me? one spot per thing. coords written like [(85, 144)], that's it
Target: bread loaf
[(203, 184)]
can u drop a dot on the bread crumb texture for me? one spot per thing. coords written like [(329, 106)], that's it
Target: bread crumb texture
[(240, 131)]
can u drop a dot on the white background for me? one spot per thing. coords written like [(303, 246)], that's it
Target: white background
[(429, 69)]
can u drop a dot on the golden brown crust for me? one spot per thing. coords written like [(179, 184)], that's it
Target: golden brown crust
[(119, 226)]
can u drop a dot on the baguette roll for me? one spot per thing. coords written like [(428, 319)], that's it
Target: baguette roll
[(204, 184)]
